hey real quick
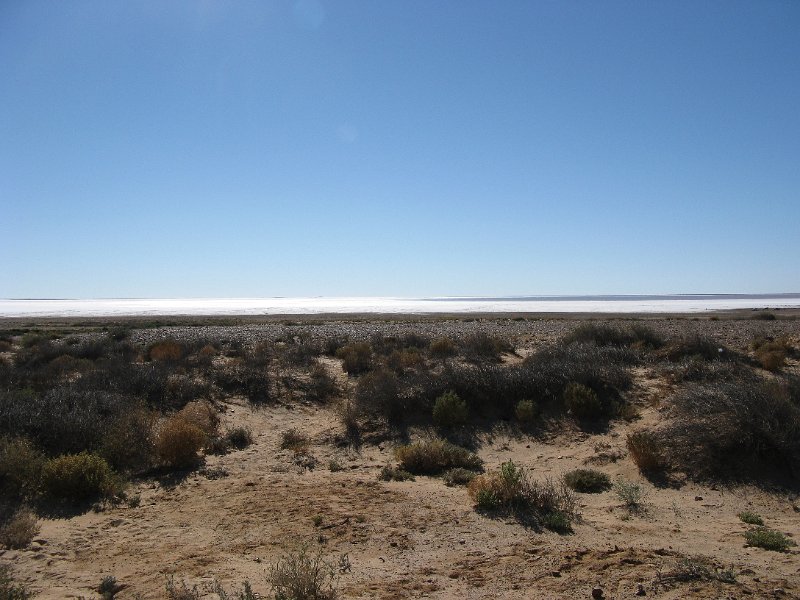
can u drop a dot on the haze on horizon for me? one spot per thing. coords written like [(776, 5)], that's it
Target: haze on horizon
[(318, 148)]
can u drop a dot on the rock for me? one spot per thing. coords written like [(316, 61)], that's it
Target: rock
[(556, 573), (597, 593), (698, 498), (640, 590)]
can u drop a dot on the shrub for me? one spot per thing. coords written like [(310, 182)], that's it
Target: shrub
[(378, 393), (294, 440), (442, 347), (588, 481), (404, 359), (178, 441), (582, 402), (434, 456), (389, 473), (770, 354), (128, 442), (20, 467), (251, 381), (458, 476), (356, 357), (449, 410), (736, 430), (769, 539), (751, 518), (483, 346), (202, 415), (322, 384), (303, 576), (695, 346), (20, 529), (78, 477), (645, 450), (526, 411), (10, 590), (239, 437), (166, 351), (764, 316), (602, 334)]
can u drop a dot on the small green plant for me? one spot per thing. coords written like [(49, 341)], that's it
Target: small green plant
[(458, 476), (303, 576), (768, 539), (582, 402), (526, 411), (587, 481), (557, 521), (108, 587), (334, 466), (389, 473), (434, 456), (20, 530), (78, 477), (449, 410), (631, 494), (751, 518), (317, 520)]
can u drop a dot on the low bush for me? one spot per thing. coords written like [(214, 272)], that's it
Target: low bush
[(128, 442), (9, 589), (601, 334), (356, 357), (645, 450), (20, 529), (178, 443), (751, 518), (768, 539), (378, 394), (696, 369), (442, 348), (303, 576), (405, 359), (582, 402), (450, 410), (79, 477), (771, 354), (695, 346), (390, 473), (587, 481), (294, 440), (168, 351), (322, 385), (631, 494), (510, 489), (434, 456), (202, 415), (483, 346), (742, 430), (458, 476)]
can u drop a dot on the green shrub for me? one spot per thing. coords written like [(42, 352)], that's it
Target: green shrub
[(769, 539), (79, 477), (645, 450), (389, 473), (526, 411), (449, 410), (458, 476), (442, 347), (435, 456), (557, 521), (588, 481), (378, 394), (751, 518), (582, 402), (178, 442), (631, 494), (128, 442)]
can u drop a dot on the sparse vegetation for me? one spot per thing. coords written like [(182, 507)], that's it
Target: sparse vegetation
[(9, 589), (295, 440), (751, 518), (303, 576), (390, 473), (450, 410), (645, 450), (582, 402), (458, 476), (79, 477), (631, 494), (20, 529)]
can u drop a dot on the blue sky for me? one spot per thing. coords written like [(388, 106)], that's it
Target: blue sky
[(159, 149)]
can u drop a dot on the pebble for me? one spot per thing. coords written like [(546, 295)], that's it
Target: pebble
[(597, 593)]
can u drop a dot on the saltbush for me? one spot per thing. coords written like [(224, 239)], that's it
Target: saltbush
[(356, 357), (178, 442), (434, 456), (582, 402), (587, 481), (78, 477), (450, 410), (645, 450), (768, 539)]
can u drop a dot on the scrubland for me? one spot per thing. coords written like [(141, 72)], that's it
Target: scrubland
[(422, 457)]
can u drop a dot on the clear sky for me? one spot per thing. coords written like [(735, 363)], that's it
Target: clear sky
[(398, 147)]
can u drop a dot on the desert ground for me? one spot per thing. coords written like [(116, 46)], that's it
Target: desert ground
[(308, 484)]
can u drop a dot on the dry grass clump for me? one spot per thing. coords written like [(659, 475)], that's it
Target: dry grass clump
[(9, 590), (510, 489), (695, 346), (295, 440), (645, 450), (322, 386), (378, 394), (601, 334), (303, 576), (20, 529), (582, 402), (458, 476), (202, 415), (483, 346), (390, 473), (442, 348), (434, 456), (771, 354)]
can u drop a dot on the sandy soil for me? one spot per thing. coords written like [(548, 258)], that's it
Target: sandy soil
[(233, 519)]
